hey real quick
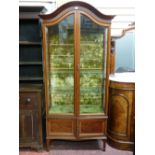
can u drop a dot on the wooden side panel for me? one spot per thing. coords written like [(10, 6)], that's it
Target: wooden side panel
[(119, 113), (60, 127), (28, 127), (112, 57), (91, 127)]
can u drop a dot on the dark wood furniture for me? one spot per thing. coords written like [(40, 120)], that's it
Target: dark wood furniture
[(112, 57), (30, 78), (30, 116), (76, 51), (30, 47), (121, 121)]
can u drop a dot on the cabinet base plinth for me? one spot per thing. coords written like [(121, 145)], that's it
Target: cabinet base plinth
[(37, 147), (103, 147), (120, 144)]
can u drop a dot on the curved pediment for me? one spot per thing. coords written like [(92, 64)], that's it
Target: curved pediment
[(74, 5)]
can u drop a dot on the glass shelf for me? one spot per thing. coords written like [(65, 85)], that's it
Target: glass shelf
[(61, 44), (83, 42), (91, 89), (95, 44), (61, 70), (93, 70), (62, 89), (62, 55)]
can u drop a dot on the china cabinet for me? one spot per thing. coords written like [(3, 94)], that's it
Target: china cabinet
[(76, 53)]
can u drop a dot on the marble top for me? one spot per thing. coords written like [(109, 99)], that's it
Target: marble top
[(123, 77)]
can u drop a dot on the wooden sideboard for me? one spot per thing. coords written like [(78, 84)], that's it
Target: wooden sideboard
[(30, 116), (121, 121)]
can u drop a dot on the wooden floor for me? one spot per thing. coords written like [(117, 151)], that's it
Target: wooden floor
[(76, 148)]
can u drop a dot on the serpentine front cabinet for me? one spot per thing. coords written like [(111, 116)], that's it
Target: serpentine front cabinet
[(76, 43)]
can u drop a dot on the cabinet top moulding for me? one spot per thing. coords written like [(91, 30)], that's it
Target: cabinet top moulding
[(77, 5), (30, 12)]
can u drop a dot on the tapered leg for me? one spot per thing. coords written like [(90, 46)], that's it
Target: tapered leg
[(104, 145), (47, 144), (134, 151)]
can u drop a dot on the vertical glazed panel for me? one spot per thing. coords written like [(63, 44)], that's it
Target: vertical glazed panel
[(60, 41), (93, 52)]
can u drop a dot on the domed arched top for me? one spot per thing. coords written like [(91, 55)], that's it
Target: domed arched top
[(76, 4)]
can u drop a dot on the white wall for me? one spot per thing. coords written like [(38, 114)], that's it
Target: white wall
[(123, 9), (50, 5), (125, 52)]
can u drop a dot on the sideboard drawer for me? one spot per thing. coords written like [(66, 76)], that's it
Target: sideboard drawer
[(28, 100)]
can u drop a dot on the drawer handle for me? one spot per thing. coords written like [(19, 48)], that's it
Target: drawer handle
[(28, 100)]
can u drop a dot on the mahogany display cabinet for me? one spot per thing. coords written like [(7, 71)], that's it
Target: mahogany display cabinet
[(76, 55)]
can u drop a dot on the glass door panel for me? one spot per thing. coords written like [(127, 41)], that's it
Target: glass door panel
[(92, 66), (60, 66)]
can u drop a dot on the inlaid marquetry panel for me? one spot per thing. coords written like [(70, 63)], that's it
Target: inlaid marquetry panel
[(60, 127), (119, 112), (121, 115), (88, 127)]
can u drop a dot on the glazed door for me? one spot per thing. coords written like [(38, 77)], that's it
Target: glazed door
[(93, 52), (60, 64)]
